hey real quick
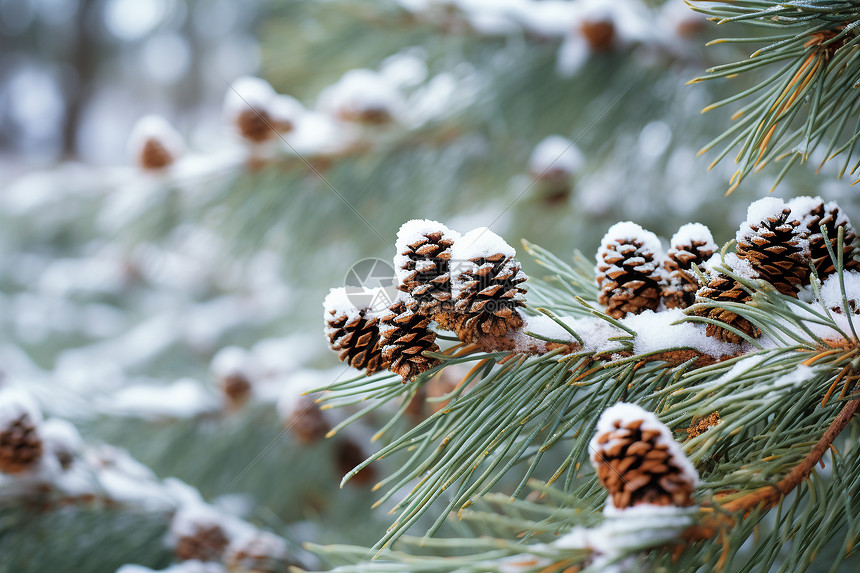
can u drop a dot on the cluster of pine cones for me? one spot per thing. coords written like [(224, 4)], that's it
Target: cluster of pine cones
[(778, 243), (471, 284)]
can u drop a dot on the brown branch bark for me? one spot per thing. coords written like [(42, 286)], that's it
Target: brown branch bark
[(768, 496)]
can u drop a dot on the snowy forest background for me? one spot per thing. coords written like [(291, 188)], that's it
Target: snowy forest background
[(129, 298)]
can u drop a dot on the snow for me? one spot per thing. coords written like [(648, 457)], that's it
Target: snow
[(15, 403), (183, 567), (155, 128), (247, 92), (411, 232), (360, 91), (802, 206), (285, 109), (480, 243), (234, 361), (693, 233), (626, 413), (655, 331), (555, 153), (60, 436), (794, 378), (831, 292), (627, 231), (264, 543), (338, 302), (192, 517), (757, 212), (184, 398)]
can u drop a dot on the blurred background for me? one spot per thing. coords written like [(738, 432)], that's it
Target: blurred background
[(164, 253)]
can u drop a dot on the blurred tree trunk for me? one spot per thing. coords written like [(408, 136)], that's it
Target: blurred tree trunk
[(83, 59)]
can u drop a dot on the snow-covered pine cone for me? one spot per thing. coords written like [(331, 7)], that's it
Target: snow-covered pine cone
[(770, 240), (404, 335), (154, 144), (423, 264), (813, 213), (21, 445), (639, 462), (724, 288), (204, 542), (259, 552), (487, 286), (306, 421), (692, 244), (629, 270), (353, 333)]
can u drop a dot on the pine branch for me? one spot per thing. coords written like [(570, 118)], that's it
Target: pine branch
[(808, 98)]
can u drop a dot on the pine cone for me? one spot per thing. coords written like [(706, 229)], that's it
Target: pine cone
[(154, 156), (20, 446), (307, 421), (236, 388), (813, 213), (258, 553), (692, 244), (721, 287), (255, 125), (600, 34), (770, 240), (629, 270), (354, 333), (205, 543), (639, 462), (487, 286), (348, 455), (423, 264), (404, 336)]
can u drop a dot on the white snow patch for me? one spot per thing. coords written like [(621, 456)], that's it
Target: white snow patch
[(284, 109), (627, 231), (184, 398), (479, 243), (757, 212), (360, 91), (625, 413), (831, 292), (155, 128), (655, 331), (234, 361), (247, 92), (15, 403), (693, 233), (555, 153)]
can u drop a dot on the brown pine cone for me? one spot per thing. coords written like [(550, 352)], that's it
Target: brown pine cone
[(629, 270), (154, 156), (692, 244), (348, 455), (722, 287), (600, 34), (813, 213), (404, 335), (354, 333), (203, 543), (638, 461), (306, 421), (423, 264), (255, 125), (487, 286), (20, 445), (770, 240), (260, 552)]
